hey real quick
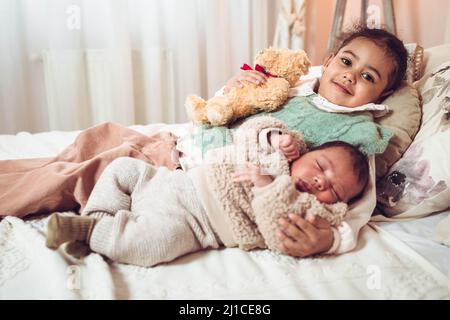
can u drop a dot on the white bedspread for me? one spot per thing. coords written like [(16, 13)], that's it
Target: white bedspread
[(382, 267), (418, 235)]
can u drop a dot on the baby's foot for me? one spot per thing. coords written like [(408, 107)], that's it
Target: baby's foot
[(78, 249), (61, 229)]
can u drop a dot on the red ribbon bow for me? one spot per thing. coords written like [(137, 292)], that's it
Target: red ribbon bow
[(258, 68)]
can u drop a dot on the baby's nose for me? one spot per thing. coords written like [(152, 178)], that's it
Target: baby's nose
[(320, 183)]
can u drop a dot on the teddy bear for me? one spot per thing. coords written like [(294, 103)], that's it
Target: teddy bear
[(283, 67)]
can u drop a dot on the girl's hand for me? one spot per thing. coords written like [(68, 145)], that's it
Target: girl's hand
[(252, 173), (253, 76), (304, 237), (289, 146)]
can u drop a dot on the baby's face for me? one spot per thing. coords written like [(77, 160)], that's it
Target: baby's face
[(358, 74), (327, 174)]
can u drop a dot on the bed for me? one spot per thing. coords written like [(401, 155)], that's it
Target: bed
[(394, 260), (396, 257)]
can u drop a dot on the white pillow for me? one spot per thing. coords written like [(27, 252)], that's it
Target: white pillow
[(433, 57), (419, 183)]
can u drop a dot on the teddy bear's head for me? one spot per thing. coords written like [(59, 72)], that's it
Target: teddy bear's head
[(284, 63)]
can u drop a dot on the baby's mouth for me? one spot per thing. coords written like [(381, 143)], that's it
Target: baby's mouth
[(302, 186)]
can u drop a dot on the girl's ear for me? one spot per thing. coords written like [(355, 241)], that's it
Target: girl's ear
[(385, 94), (328, 59)]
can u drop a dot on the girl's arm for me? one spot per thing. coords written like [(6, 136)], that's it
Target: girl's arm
[(305, 236)]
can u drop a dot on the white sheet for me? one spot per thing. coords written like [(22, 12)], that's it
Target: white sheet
[(417, 234), (382, 267)]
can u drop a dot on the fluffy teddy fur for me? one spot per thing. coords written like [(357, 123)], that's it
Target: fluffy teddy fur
[(286, 66)]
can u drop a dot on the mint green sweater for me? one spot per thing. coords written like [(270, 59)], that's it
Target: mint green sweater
[(317, 127)]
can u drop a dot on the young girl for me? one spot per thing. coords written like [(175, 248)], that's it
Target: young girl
[(368, 66), (146, 216)]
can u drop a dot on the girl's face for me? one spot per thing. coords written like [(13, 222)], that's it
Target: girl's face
[(327, 173), (357, 75)]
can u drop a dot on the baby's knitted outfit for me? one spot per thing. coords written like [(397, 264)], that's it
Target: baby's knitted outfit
[(157, 215), (252, 213), (147, 215)]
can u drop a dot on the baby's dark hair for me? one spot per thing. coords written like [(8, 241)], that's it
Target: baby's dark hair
[(360, 163), (392, 45)]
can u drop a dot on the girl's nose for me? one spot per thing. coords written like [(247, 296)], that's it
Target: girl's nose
[(349, 77)]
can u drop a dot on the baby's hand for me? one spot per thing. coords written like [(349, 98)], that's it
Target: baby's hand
[(252, 173), (289, 146), (253, 76)]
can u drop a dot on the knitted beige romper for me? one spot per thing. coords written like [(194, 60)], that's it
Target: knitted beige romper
[(148, 215)]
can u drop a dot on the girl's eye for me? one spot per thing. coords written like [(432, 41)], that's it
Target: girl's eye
[(346, 61), (367, 77)]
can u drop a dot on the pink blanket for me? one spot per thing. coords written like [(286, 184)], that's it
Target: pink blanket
[(64, 182)]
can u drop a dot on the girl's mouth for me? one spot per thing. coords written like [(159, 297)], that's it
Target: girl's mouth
[(341, 88)]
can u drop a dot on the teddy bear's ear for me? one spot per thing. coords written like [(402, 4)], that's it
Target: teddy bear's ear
[(262, 57), (268, 49)]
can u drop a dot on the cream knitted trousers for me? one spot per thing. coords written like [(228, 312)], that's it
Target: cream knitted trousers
[(149, 215)]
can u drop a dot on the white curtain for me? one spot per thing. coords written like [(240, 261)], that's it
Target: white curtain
[(291, 25), (69, 64)]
